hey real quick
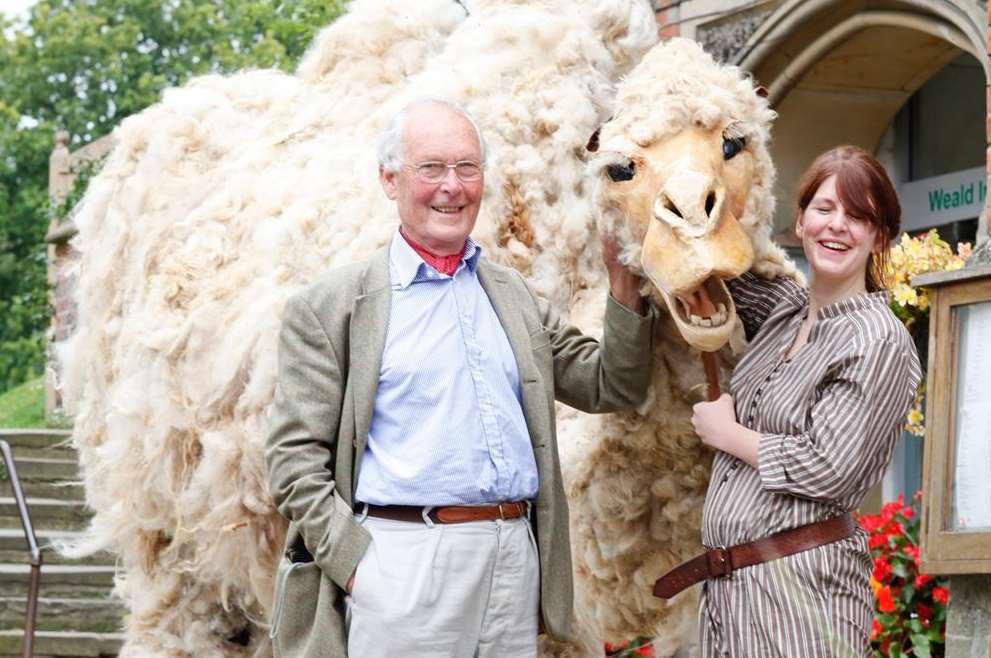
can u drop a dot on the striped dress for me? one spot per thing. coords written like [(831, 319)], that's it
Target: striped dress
[(829, 417)]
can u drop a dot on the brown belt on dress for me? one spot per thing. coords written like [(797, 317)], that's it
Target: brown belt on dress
[(453, 514), (722, 561)]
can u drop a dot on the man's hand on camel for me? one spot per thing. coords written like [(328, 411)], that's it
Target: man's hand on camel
[(624, 285)]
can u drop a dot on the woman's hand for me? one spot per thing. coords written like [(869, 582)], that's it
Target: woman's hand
[(624, 285), (715, 423)]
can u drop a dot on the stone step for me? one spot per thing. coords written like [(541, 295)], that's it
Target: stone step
[(97, 615), (63, 644), (46, 514), (13, 548), (36, 439), (63, 490), (16, 575), (46, 468), (38, 444)]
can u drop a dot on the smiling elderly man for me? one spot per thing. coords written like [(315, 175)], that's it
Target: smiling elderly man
[(412, 442)]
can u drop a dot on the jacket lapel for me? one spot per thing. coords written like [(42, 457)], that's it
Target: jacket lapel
[(505, 299), (369, 325)]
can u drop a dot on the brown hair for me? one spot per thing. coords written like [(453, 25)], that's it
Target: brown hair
[(866, 192)]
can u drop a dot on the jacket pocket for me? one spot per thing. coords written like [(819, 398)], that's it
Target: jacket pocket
[(297, 587), (306, 616)]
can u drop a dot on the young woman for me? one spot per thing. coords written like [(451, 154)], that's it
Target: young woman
[(817, 404)]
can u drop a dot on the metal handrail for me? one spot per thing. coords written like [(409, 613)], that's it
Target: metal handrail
[(31, 614)]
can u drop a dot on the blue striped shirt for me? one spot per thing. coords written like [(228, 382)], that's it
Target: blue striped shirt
[(448, 425)]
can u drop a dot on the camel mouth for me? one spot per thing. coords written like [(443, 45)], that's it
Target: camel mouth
[(704, 315)]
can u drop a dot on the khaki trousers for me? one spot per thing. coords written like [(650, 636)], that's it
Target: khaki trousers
[(460, 590)]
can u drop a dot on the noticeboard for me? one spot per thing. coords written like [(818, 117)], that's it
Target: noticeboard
[(956, 480)]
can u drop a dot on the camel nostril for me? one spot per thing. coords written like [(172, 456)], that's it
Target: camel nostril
[(669, 205), (710, 202)]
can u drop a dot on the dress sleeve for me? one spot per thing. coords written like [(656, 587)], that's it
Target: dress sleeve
[(755, 297), (852, 427)]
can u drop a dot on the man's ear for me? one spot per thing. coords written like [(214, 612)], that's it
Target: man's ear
[(389, 183)]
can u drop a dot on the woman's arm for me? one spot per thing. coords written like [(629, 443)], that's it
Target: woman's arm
[(852, 430), (854, 426), (755, 297)]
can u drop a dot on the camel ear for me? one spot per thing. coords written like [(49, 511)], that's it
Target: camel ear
[(593, 141), (762, 92)]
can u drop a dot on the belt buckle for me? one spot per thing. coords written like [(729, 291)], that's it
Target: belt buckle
[(718, 562)]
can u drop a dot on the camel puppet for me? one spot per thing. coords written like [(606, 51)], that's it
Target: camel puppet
[(234, 192)]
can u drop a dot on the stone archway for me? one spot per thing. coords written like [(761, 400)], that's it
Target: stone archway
[(839, 70)]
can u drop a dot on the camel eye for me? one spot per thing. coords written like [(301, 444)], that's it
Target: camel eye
[(732, 146), (618, 173)]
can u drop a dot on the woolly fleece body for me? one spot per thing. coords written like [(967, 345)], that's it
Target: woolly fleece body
[(233, 193)]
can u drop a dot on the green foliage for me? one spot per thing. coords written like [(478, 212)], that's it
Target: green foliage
[(83, 66), (24, 406)]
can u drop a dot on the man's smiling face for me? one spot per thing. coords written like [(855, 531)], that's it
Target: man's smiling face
[(439, 216)]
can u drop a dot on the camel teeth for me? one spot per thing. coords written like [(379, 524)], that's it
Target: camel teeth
[(706, 322), (696, 320), (722, 310)]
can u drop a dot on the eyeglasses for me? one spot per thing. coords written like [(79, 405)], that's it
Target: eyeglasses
[(434, 172)]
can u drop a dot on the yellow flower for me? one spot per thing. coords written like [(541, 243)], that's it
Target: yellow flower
[(915, 423), (905, 294), (875, 585)]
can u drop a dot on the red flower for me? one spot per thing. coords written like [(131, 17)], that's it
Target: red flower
[(877, 541), (941, 595), (882, 570), (871, 523), (912, 552), (925, 613), (876, 629), (884, 601), (921, 580), (908, 512), (645, 650)]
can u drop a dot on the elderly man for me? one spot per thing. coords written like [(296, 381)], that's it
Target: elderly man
[(412, 442)]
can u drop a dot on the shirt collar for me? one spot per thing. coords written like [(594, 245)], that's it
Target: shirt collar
[(406, 265), (863, 301)]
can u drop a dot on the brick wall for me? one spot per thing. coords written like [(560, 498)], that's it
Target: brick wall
[(667, 15)]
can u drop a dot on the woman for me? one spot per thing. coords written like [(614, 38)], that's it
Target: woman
[(817, 405)]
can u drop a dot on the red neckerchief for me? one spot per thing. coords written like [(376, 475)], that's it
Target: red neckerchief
[(443, 264)]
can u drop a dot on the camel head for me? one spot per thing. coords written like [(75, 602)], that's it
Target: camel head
[(684, 180)]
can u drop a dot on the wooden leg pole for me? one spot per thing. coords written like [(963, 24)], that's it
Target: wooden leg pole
[(711, 375)]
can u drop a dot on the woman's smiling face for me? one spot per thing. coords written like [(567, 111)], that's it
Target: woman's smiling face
[(837, 245)]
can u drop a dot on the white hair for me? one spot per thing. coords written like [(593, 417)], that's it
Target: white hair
[(390, 141)]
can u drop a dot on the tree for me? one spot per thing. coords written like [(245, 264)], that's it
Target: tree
[(84, 65)]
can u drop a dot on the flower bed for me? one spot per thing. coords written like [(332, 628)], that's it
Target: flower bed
[(910, 617)]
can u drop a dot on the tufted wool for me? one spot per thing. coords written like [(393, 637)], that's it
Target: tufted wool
[(234, 192)]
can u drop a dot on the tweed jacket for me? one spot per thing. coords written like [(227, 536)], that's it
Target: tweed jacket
[(330, 351)]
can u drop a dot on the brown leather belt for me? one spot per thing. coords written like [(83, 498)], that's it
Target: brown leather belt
[(717, 562), (452, 514)]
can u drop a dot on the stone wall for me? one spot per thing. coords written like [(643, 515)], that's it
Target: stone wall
[(63, 167)]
